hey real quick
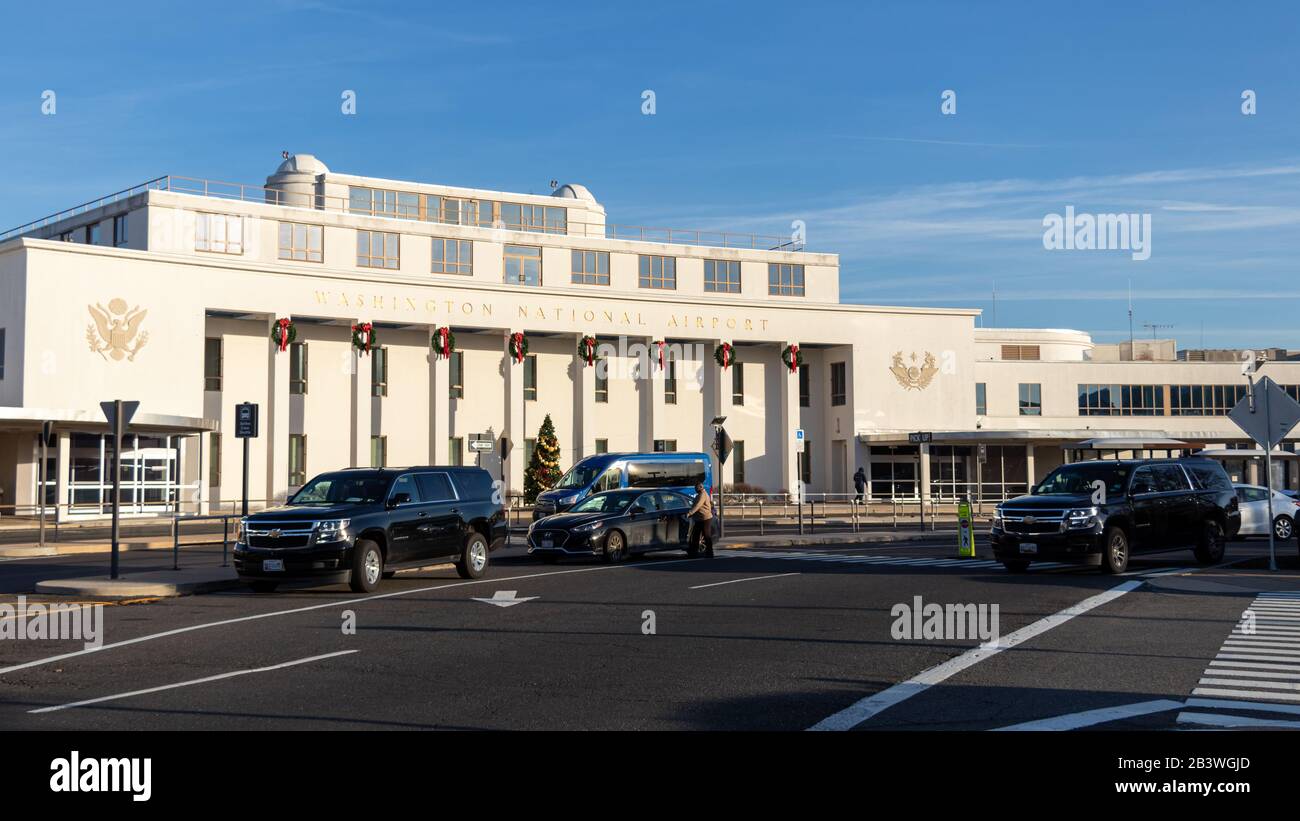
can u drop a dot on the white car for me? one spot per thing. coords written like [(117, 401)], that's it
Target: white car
[(1253, 501)]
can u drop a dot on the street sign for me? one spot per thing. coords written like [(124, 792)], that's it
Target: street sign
[(128, 413), (798, 435), (246, 421), (920, 437), (1273, 415), (722, 445), (480, 445)]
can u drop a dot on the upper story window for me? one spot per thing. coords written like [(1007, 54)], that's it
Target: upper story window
[(300, 242), (92, 234), (658, 272), (453, 256), (119, 231), (457, 210), (219, 233), (590, 267), (523, 265), (456, 375), (1020, 353), (543, 218), (212, 363), (805, 385), (1122, 400), (1205, 400), (784, 279), (1031, 399), (722, 276), (380, 203), (378, 371), (839, 384), (530, 377), (670, 380), (298, 368), (601, 381), (981, 399), (377, 249), (738, 383)]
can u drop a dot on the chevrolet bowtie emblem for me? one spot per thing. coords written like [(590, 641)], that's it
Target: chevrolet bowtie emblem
[(1029, 520), (274, 534)]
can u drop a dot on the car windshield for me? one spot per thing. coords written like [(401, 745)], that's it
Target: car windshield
[(606, 502), (579, 476), (1079, 479), (341, 489)]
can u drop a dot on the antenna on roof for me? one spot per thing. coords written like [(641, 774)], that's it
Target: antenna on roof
[(555, 184), (284, 154)]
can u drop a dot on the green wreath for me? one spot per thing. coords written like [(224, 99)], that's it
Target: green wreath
[(435, 342), (725, 355), (588, 358), (284, 327), (364, 347)]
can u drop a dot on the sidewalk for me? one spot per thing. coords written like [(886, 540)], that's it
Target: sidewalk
[(22, 551), (160, 584)]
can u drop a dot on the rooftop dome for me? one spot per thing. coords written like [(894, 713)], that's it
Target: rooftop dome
[(302, 164), (573, 191)]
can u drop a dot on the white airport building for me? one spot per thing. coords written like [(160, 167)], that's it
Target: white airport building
[(171, 293)]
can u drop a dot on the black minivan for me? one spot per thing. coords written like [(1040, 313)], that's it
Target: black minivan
[(361, 525)]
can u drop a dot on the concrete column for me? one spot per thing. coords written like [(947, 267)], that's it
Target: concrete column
[(584, 407), (787, 417), (1031, 476), (275, 418), (516, 429), (359, 446), (923, 474), (650, 391), (439, 405), (64, 467), (204, 452)]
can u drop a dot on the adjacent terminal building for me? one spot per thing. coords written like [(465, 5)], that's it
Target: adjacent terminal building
[(323, 298)]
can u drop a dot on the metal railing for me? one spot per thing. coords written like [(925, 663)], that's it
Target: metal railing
[(261, 194), (178, 520)]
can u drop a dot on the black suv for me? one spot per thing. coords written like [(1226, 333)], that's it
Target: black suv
[(1100, 512), (359, 525)]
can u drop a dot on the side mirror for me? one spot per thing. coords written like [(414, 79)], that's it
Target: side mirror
[(399, 499)]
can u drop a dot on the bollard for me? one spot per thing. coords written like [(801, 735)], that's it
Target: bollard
[(225, 541), (760, 517), (176, 543)]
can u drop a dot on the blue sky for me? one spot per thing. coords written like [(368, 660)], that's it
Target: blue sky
[(765, 113)]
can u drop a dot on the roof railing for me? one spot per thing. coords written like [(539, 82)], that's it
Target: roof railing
[(319, 202)]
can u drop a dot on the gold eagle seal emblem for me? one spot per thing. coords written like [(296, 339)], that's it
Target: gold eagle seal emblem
[(115, 331), (917, 377)]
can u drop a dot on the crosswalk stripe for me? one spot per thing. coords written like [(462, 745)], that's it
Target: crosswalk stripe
[(1227, 720), (1255, 664), (1244, 694), (1248, 672), (1258, 657)]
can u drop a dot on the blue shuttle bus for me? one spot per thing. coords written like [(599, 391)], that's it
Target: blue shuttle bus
[(611, 471)]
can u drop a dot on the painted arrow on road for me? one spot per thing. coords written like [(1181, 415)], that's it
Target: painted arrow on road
[(505, 598)]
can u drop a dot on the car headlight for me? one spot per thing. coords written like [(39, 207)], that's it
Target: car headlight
[(997, 518), (1080, 517), (239, 530), (332, 530), (589, 528)]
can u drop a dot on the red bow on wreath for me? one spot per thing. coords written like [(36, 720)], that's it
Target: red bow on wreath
[(284, 333), (363, 334), (587, 350), (793, 358), (444, 342), (517, 348), (723, 355), (660, 343)]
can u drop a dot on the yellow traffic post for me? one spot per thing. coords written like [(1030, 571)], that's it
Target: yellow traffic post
[(965, 530)]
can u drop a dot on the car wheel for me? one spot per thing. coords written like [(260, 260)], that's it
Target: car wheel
[(263, 587), (367, 567), (1210, 549), (1114, 556), (615, 547), (1283, 528), (473, 561), (1015, 565)]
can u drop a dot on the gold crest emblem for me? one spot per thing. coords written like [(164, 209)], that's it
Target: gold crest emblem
[(914, 376), (116, 330)]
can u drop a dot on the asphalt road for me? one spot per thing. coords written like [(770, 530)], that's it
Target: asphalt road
[(783, 639)]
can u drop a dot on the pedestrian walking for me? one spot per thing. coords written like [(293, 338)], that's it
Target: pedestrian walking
[(860, 483), (701, 515)]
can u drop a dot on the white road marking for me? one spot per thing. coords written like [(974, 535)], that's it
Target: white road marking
[(192, 682), (1088, 718), (1220, 720), (737, 581), (864, 709), (1216, 703), (323, 606)]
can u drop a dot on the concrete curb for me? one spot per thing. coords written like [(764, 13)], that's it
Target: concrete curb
[(167, 584), (74, 549)]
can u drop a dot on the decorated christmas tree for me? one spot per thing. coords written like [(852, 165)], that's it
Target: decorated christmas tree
[(543, 469)]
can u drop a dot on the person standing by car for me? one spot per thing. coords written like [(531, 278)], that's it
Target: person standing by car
[(860, 483), (701, 516)]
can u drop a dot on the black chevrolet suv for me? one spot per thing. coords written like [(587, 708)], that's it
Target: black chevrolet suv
[(1100, 512), (360, 525)]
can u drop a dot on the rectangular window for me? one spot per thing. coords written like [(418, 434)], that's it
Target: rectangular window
[(1205, 400), (1020, 353), (523, 265), (214, 460), (218, 233), (456, 375), (302, 243), (530, 377), (297, 460), (379, 451), (380, 203), (807, 462), (738, 383), (530, 445), (602, 384), (298, 368), (670, 380), (377, 249), (665, 446), (92, 234), (119, 231), (457, 211), (602, 446), (784, 279), (981, 405), (541, 218), (722, 276), (738, 461), (1128, 400), (590, 267), (212, 363), (805, 385), (378, 371), (453, 256), (456, 451), (1031, 399), (839, 384), (658, 272)]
